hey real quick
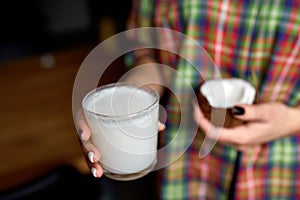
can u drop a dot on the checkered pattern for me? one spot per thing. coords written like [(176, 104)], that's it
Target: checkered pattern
[(257, 40)]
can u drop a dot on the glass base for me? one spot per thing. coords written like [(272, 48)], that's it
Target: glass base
[(133, 176)]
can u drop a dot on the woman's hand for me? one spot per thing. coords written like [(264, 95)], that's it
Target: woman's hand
[(90, 151), (151, 76), (265, 122)]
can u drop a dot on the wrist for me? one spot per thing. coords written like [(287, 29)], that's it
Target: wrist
[(293, 124)]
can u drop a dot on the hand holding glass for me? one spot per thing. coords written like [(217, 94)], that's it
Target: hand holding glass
[(123, 120)]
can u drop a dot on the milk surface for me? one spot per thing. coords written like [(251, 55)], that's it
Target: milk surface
[(127, 144), (121, 100)]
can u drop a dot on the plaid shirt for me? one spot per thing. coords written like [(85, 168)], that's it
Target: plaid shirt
[(241, 37)]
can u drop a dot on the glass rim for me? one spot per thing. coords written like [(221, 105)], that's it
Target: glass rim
[(152, 91)]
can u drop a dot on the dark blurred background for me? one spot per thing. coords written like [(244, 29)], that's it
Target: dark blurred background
[(36, 26), (42, 45)]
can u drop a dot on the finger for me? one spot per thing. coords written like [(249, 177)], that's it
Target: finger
[(92, 158), (211, 131), (91, 151), (225, 136), (82, 127), (96, 170), (161, 126), (256, 112), (242, 148), (229, 140), (242, 135)]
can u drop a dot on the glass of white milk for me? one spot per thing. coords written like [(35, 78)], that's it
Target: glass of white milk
[(123, 121)]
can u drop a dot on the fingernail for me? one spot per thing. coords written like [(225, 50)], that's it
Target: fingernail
[(91, 156), (238, 110), (94, 172), (79, 132)]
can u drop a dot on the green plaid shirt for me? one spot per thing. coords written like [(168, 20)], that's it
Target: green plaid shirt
[(241, 37)]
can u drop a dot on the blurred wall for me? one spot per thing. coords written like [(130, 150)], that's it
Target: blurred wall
[(37, 26)]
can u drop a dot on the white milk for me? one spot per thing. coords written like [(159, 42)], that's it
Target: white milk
[(125, 130)]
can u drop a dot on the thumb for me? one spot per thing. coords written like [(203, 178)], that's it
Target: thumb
[(255, 112)]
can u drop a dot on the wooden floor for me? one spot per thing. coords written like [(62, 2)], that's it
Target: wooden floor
[(37, 129)]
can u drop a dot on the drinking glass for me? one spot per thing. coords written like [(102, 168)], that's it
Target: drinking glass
[(123, 121)]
